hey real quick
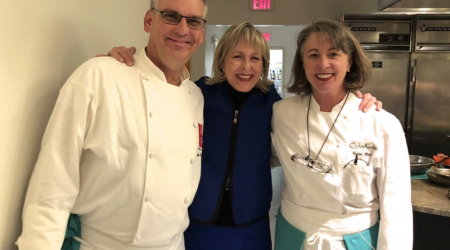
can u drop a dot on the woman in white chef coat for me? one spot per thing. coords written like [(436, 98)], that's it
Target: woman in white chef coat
[(347, 172)]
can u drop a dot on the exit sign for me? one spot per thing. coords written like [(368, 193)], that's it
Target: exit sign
[(261, 4)]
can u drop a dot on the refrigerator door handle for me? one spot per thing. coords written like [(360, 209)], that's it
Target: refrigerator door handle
[(413, 74), (410, 101)]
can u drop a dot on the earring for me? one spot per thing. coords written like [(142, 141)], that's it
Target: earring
[(348, 70)]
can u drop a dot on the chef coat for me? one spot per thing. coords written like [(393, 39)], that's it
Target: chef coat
[(345, 200), (122, 150)]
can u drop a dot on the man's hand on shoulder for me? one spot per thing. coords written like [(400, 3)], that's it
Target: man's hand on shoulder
[(368, 101)]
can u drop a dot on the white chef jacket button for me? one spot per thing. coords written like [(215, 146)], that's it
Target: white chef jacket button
[(150, 114), (304, 195), (192, 161), (186, 200), (138, 237), (195, 125), (145, 78), (150, 155), (190, 92), (300, 136), (147, 198)]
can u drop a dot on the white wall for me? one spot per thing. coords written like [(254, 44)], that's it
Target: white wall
[(216, 32), (284, 37), (41, 43)]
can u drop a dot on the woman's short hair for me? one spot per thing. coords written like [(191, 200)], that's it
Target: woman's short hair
[(235, 34), (342, 38)]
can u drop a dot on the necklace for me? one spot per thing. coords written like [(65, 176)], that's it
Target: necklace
[(308, 158)]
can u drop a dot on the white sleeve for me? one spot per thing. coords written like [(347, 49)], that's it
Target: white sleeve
[(54, 183), (274, 161), (394, 187)]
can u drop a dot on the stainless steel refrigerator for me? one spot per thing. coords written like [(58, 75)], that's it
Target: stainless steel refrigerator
[(430, 86), (410, 55)]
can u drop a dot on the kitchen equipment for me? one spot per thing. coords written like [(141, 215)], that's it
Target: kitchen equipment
[(439, 175), (441, 172), (429, 131), (437, 179), (387, 41), (414, 5), (410, 55), (419, 164)]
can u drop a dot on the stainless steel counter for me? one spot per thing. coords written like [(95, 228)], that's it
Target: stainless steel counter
[(428, 197)]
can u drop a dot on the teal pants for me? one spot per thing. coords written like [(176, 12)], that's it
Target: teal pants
[(73, 229), (287, 237)]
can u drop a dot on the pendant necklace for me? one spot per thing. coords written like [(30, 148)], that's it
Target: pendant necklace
[(308, 158)]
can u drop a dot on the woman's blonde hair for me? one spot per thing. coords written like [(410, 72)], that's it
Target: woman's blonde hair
[(235, 34), (342, 39)]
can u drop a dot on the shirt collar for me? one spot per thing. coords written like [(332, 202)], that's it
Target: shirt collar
[(148, 67)]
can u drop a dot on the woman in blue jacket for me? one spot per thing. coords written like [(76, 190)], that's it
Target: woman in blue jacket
[(230, 209)]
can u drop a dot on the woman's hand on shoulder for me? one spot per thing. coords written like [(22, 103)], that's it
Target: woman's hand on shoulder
[(368, 101), (122, 54)]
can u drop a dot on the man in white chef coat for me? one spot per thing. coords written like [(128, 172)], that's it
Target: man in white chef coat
[(122, 148)]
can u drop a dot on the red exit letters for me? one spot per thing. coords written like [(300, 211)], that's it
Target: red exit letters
[(262, 5)]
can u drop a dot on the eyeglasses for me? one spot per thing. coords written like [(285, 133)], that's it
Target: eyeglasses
[(317, 166), (173, 18)]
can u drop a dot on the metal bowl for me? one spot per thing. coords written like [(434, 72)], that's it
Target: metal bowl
[(439, 175), (419, 164), (441, 172)]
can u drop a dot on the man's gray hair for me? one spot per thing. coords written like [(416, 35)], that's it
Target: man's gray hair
[(154, 3)]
